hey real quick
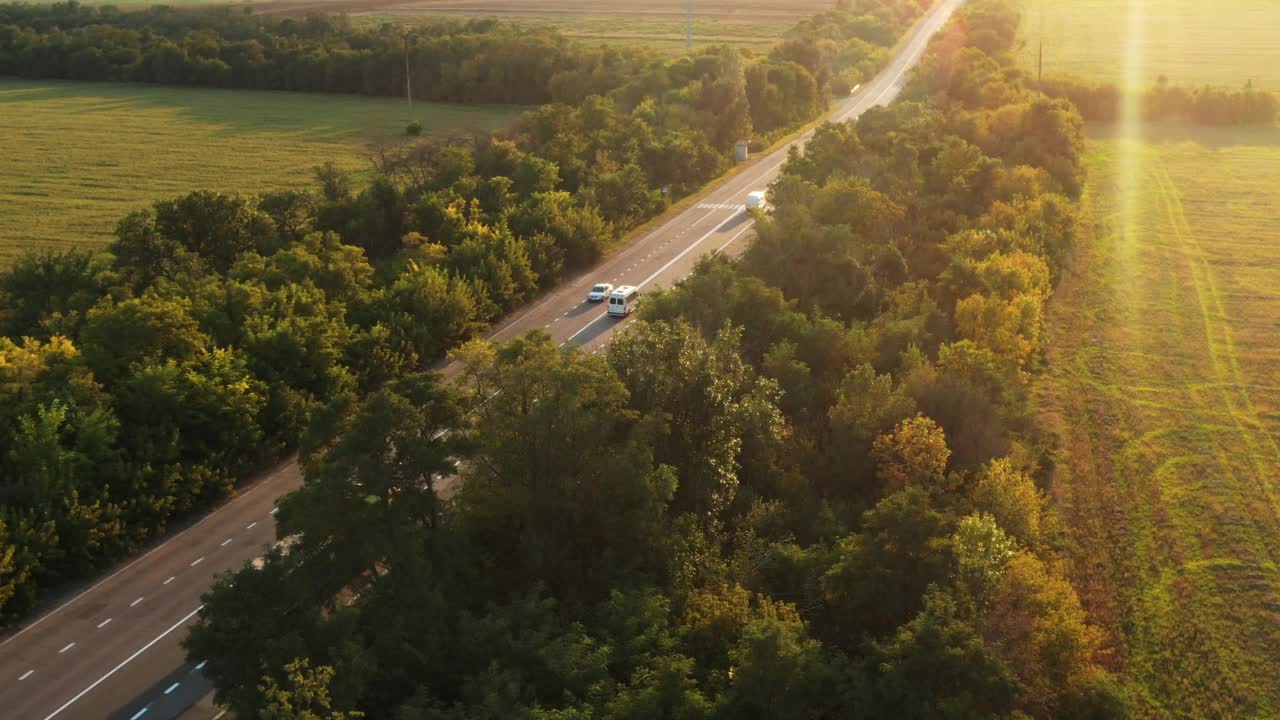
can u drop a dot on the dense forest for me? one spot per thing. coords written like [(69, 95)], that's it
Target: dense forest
[(805, 485), (140, 384)]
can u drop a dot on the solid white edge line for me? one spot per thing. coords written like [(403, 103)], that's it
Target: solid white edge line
[(126, 661)]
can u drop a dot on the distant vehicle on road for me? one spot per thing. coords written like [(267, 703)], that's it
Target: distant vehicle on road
[(599, 292), (755, 200), (623, 301)]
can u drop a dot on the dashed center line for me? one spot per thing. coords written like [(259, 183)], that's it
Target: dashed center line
[(103, 623), (171, 579), (275, 510), (200, 665), (26, 675), (225, 542), (139, 714), (250, 525), (68, 647), (171, 688), (197, 561), (135, 602)]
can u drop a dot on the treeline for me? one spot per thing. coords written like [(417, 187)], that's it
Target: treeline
[(803, 486), (478, 61), (1211, 106), (143, 382)]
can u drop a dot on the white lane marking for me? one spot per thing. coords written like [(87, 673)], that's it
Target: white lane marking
[(149, 553), (171, 688), (275, 510), (126, 661), (26, 675), (135, 602), (139, 714), (171, 579), (687, 250), (250, 525), (103, 623), (68, 647), (215, 717), (225, 542), (197, 561), (200, 666)]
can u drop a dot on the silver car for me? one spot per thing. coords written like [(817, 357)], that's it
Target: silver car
[(599, 292)]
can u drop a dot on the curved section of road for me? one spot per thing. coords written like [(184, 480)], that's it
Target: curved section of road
[(113, 651)]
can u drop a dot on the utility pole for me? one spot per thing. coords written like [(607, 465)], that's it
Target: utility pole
[(1040, 62), (688, 28), (408, 83)]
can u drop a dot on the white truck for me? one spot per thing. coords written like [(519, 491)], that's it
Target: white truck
[(755, 200)]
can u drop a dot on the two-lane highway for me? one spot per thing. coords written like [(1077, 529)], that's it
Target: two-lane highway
[(113, 651)]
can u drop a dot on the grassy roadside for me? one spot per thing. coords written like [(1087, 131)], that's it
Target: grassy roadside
[(1164, 383)]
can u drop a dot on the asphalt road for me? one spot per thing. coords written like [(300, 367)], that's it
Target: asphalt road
[(112, 651)]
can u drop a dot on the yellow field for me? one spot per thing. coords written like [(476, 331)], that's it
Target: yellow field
[(1192, 42), (1164, 381), (78, 156)]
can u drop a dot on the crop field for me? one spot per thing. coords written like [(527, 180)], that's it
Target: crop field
[(1164, 383), (1192, 42), (660, 25), (79, 156)]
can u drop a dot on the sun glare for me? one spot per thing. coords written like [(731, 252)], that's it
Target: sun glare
[(1130, 144)]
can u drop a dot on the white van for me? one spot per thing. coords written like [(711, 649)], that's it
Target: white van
[(623, 300), (756, 200)]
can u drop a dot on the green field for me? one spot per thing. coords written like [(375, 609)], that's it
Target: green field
[(1164, 382), (79, 156), (665, 36), (1192, 42)]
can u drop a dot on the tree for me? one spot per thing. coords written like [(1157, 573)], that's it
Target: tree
[(1037, 625), (147, 328), (882, 572), (720, 418), (217, 227), (914, 454), (938, 666), (304, 697), (370, 503), (49, 293), (778, 670), (556, 443), (1012, 498), (982, 551)]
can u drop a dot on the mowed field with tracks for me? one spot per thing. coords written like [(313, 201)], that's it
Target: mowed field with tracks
[(1164, 384), (79, 156), (1163, 375)]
